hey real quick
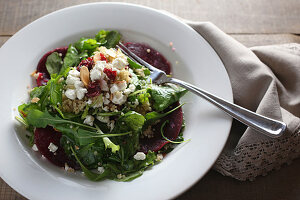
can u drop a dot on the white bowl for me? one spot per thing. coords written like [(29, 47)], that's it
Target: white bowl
[(194, 60)]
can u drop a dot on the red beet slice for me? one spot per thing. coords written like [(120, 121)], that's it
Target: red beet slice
[(43, 137), (171, 131), (41, 67), (152, 57)]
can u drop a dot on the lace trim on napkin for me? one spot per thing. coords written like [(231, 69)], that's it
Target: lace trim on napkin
[(249, 161)]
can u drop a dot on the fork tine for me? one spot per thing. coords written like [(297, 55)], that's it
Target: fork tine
[(136, 58)]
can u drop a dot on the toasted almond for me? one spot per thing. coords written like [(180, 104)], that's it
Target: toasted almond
[(35, 100), (85, 75)]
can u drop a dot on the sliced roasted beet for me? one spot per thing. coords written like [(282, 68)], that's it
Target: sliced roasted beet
[(41, 67), (43, 137), (94, 89), (171, 131), (150, 55)]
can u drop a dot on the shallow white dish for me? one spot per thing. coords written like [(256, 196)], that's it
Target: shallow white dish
[(193, 60)]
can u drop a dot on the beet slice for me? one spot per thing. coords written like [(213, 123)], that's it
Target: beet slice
[(41, 67), (171, 131), (152, 57), (43, 137)]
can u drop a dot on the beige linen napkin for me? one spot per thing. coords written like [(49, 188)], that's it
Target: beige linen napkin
[(266, 80)]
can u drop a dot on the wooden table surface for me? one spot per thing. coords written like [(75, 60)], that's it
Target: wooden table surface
[(252, 23)]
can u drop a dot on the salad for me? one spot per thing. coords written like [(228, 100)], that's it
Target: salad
[(96, 110)]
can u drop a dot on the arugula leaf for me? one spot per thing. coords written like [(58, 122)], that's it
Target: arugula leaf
[(41, 119), (91, 175), (109, 114), (131, 176), (71, 59), (166, 95), (134, 65), (56, 88), (151, 117), (37, 92), (112, 38), (54, 63), (130, 121)]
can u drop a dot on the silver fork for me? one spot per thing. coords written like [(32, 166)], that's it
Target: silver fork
[(269, 127)]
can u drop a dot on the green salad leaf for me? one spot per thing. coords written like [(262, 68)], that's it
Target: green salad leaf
[(112, 38), (54, 63), (72, 59), (165, 95)]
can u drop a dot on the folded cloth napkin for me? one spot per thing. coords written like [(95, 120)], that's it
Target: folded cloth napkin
[(266, 80)]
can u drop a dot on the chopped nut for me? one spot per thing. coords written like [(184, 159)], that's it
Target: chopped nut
[(35, 100)]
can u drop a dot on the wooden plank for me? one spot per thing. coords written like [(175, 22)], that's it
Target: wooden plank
[(283, 184), (232, 16), (3, 39)]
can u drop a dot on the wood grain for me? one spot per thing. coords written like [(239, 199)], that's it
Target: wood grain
[(279, 185), (3, 39), (232, 16)]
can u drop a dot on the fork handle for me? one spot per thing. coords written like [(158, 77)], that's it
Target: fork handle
[(265, 125)]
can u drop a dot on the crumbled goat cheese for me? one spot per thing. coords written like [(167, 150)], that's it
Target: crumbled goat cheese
[(78, 84), (34, 147), (80, 92), (159, 157), (120, 63), (111, 52), (89, 120), (104, 85), (104, 119), (106, 101), (101, 170), (74, 73), (130, 89), (119, 176), (119, 98), (89, 102), (95, 74), (139, 156), (71, 94), (52, 147), (71, 79)]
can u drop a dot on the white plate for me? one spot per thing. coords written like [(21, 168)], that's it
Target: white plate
[(208, 127)]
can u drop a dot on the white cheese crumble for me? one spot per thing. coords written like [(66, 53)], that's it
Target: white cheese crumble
[(100, 170), (120, 63), (89, 120), (34, 147), (74, 80), (119, 98), (139, 156), (159, 157), (52, 147), (104, 119), (71, 93)]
